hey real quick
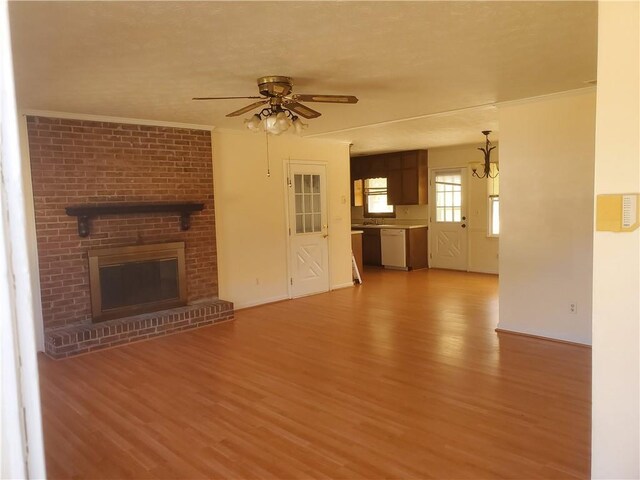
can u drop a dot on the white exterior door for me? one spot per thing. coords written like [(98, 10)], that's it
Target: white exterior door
[(308, 243), (447, 229)]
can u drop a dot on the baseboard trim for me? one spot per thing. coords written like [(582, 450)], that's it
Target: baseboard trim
[(265, 301), (342, 285), (540, 337)]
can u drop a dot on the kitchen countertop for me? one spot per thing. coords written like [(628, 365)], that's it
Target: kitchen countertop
[(403, 227)]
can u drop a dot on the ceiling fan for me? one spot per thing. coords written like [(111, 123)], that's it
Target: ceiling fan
[(281, 106)]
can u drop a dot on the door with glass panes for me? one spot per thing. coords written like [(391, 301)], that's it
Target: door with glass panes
[(447, 228), (308, 232)]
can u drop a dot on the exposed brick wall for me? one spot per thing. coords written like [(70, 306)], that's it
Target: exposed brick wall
[(77, 162)]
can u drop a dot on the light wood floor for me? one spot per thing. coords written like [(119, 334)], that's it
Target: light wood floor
[(402, 377)]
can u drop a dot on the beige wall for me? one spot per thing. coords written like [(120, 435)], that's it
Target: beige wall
[(251, 214), (483, 250), (616, 256), (546, 196)]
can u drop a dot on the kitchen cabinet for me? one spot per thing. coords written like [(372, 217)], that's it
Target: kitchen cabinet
[(357, 193), (369, 166), (415, 246), (406, 173), (417, 256), (407, 178), (371, 251)]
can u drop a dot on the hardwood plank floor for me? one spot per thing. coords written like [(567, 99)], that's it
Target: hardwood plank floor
[(401, 377)]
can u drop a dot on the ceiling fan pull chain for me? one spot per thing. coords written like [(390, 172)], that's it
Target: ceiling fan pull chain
[(266, 135)]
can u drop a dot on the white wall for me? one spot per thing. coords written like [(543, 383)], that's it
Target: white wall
[(251, 215), (32, 243), (546, 201), (616, 256), (483, 250), (21, 444)]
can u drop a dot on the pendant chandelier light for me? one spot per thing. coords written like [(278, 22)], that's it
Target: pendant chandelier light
[(486, 173)]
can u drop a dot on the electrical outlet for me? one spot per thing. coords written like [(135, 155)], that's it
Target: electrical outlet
[(573, 308)]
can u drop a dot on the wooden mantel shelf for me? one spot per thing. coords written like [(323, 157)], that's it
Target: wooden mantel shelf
[(86, 212)]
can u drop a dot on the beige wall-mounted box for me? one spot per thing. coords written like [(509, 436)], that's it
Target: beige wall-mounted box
[(617, 212)]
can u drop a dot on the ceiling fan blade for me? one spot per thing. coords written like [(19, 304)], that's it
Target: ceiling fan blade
[(302, 110), (247, 108), (326, 98), (220, 98)]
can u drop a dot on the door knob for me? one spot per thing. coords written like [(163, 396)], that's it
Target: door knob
[(463, 226), (464, 218)]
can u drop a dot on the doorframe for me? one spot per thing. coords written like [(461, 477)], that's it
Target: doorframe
[(431, 204), (286, 164)]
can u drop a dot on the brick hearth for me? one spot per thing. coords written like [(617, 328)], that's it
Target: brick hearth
[(85, 338), (80, 162)]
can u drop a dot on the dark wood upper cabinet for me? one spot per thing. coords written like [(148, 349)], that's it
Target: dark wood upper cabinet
[(394, 187), (393, 161), (377, 167), (406, 172)]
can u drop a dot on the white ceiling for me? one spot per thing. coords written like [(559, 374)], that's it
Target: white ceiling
[(418, 68)]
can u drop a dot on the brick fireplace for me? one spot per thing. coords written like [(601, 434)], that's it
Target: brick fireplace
[(87, 163)]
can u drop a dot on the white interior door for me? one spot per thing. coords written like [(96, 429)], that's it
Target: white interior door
[(308, 242), (447, 230)]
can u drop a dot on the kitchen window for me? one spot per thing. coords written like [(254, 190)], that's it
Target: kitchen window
[(375, 199)]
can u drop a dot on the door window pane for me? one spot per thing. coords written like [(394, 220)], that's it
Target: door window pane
[(448, 197), (308, 208)]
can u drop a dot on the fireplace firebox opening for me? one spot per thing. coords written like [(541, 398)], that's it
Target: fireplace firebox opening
[(136, 279)]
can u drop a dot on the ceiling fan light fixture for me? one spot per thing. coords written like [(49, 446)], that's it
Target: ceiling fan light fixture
[(254, 123), (298, 125), (283, 121), (281, 104), (275, 125), (275, 122), (270, 125)]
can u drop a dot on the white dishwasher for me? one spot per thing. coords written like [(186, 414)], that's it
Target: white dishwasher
[(394, 250)]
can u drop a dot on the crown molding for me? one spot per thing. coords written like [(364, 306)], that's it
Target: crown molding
[(549, 96), (106, 118)]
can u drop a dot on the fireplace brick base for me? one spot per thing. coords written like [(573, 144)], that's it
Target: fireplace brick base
[(77, 339)]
